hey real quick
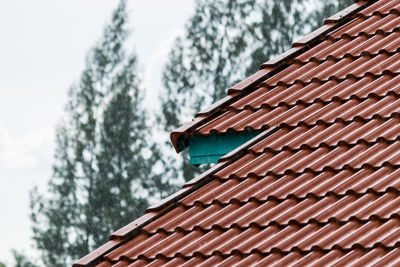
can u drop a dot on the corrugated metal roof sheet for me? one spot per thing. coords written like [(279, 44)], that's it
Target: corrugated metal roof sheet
[(319, 186)]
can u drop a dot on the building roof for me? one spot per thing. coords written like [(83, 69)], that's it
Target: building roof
[(318, 186)]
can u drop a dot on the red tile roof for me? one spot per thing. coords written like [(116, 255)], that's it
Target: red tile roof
[(319, 186)]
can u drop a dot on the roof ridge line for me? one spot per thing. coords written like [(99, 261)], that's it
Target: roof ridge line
[(179, 137)]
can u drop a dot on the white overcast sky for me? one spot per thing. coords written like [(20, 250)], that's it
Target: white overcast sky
[(42, 50)]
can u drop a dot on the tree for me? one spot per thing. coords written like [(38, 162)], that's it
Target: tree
[(103, 164), (121, 176), (225, 41), (21, 260)]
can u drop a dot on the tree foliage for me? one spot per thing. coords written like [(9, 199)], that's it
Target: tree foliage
[(20, 260), (225, 41), (102, 172)]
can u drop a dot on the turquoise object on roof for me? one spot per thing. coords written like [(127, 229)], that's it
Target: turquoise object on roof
[(208, 149)]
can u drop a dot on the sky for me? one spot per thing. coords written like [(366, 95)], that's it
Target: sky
[(42, 52)]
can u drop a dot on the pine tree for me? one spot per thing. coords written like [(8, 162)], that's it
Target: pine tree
[(118, 190), (103, 165), (226, 41)]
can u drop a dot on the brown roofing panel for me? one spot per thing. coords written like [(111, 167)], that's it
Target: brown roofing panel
[(307, 159), (266, 240), (314, 258), (382, 7), (290, 211), (379, 43), (368, 26), (326, 183), (316, 113), (330, 69), (320, 92), (330, 135)]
